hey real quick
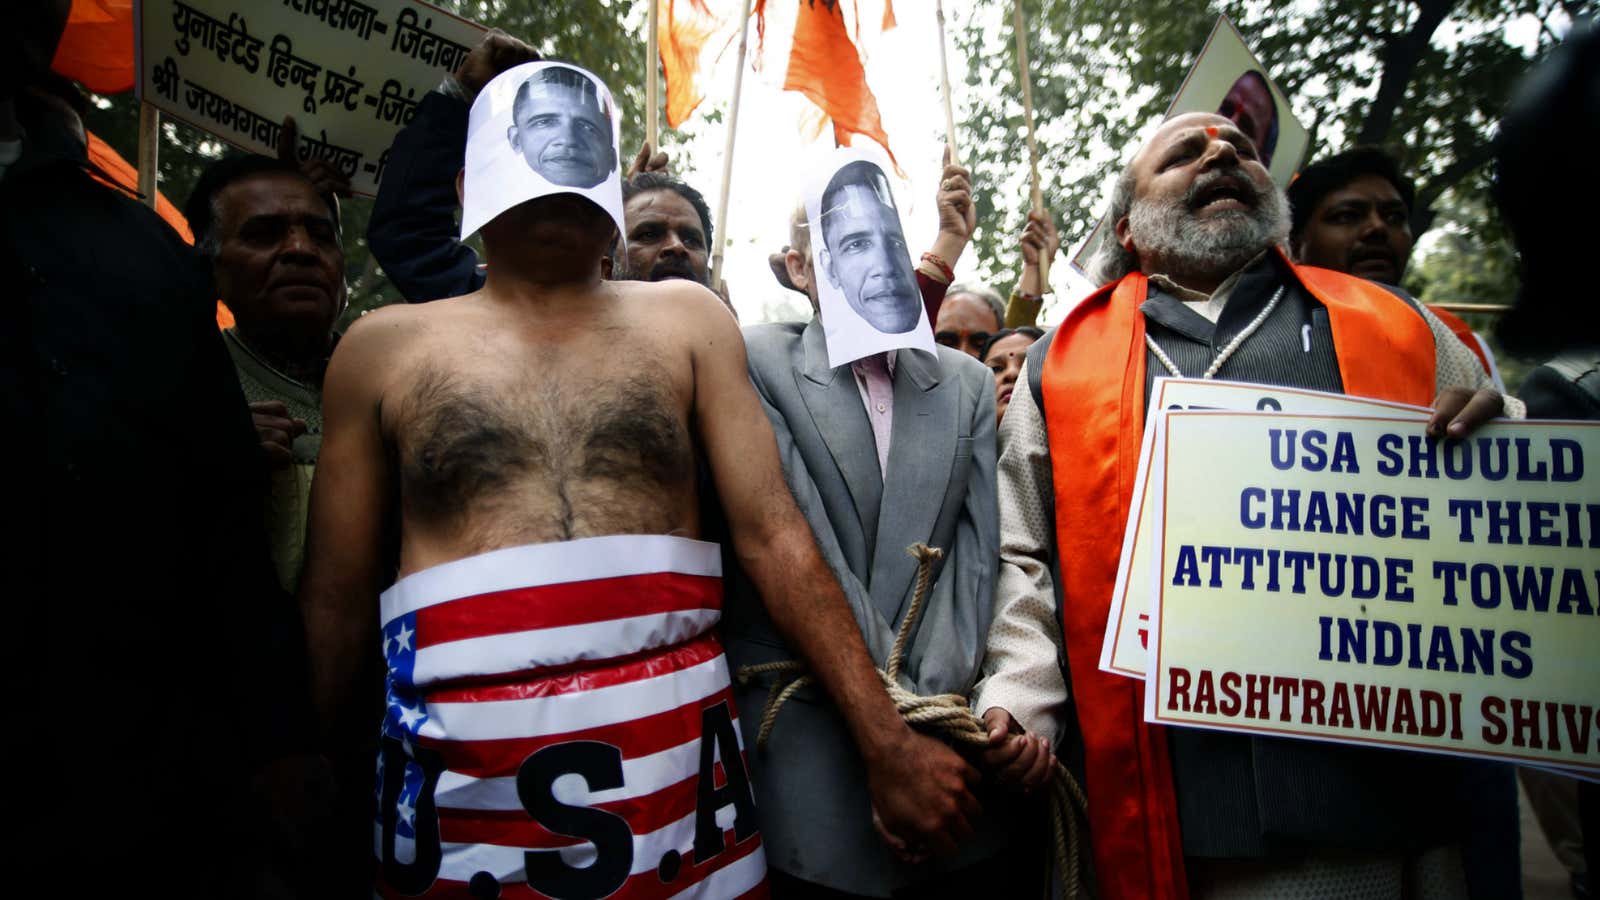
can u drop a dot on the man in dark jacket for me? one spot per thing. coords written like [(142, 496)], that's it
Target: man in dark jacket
[(155, 672)]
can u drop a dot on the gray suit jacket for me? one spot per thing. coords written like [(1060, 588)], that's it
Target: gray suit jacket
[(810, 782)]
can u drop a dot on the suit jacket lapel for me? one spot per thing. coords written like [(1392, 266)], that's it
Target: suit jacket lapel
[(834, 401), (923, 444)]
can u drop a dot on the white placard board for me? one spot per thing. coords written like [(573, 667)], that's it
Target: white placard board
[(351, 72)]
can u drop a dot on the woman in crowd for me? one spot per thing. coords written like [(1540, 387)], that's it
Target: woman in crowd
[(1003, 355)]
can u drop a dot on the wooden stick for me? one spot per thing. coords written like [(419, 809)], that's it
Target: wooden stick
[(944, 82), (721, 227), (1490, 308), (1027, 114), (652, 98), (149, 147)]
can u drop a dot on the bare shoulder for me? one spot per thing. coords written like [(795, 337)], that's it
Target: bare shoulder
[(376, 334), (686, 311), (377, 346), (680, 296)]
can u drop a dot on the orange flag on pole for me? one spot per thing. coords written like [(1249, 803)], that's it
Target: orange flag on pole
[(97, 47), (124, 175), (687, 30), (825, 66)]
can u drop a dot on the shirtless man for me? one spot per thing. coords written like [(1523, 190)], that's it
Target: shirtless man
[(554, 406)]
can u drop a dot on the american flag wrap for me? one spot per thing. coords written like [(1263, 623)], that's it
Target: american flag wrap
[(560, 724)]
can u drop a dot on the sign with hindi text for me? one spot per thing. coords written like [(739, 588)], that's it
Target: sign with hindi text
[(1348, 579), (351, 72)]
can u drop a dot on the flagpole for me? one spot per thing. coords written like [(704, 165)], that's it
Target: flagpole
[(1027, 113), (727, 152), (149, 147), (652, 99), (944, 81)]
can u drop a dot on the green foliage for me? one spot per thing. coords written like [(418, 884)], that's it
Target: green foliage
[(1468, 258), (1426, 78), (604, 36)]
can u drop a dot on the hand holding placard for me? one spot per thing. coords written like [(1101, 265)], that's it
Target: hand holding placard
[(1372, 585)]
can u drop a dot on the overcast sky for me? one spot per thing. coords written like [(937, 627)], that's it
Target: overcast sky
[(770, 160)]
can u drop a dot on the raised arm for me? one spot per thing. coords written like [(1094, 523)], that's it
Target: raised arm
[(346, 551), (1038, 242), (958, 218), (412, 231), (919, 786)]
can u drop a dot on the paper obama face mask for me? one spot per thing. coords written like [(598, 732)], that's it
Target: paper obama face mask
[(540, 129), (866, 286)]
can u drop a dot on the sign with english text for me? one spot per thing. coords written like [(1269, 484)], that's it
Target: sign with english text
[(1348, 579), (351, 72), (1128, 626)]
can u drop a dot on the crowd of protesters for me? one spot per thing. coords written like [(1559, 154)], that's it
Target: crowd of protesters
[(208, 519)]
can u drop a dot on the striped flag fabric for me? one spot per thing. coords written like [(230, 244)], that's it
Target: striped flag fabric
[(559, 723)]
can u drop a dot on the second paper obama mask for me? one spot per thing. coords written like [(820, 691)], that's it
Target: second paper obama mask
[(867, 288)]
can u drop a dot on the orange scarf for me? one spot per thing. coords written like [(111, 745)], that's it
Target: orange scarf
[(1093, 387)]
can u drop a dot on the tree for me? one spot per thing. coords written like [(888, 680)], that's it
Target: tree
[(1468, 258), (1426, 78), (599, 35)]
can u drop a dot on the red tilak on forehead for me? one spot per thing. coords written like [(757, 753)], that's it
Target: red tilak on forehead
[(1211, 131)]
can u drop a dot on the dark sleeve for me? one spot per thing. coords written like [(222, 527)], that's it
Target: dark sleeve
[(932, 295), (412, 231), (1551, 395)]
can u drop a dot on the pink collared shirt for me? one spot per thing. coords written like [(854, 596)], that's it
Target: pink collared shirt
[(875, 379)]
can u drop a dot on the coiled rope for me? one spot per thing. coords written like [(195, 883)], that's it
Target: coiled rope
[(945, 716)]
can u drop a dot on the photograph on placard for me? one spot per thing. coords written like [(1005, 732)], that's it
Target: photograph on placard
[(1250, 105), (866, 284), (536, 130), (1228, 79)]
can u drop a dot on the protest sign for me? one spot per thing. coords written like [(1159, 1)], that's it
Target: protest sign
[(351, 72), (1227, 79), (1127, 626), (538, 129), (866, 285), (1347, 579)]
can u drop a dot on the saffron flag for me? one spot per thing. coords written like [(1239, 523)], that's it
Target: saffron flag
[(825, 64), (692, 36), (96, 49), (560, 723), (125, 176)]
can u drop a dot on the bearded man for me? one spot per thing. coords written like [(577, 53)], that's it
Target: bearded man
[(1196, 283)]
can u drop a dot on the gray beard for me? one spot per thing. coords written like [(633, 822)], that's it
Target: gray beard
[(1170, 239)]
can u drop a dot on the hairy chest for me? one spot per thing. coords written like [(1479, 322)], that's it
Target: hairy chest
[(466, 430)]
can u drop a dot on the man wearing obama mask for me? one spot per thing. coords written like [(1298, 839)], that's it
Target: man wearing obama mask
[(506, 500), (562, 128), (864, 252)]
